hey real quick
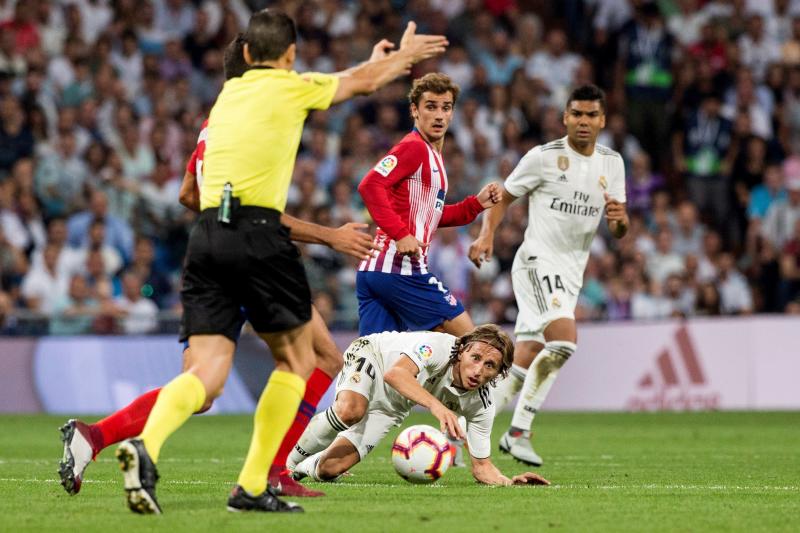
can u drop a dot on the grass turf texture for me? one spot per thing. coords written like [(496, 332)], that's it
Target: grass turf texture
[(610, 472)]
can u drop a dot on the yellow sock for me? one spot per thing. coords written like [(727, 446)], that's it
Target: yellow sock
[(176, 402), (275, 412)]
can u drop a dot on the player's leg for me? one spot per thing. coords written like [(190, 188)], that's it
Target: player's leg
[(524, 353), (560, 336), (329, 362), (82, 442), (209, 363), (354, 389), (348, 409), (350, 447), (277, 406)]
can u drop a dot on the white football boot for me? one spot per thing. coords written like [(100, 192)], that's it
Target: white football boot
[(77, 455), (520, 448)]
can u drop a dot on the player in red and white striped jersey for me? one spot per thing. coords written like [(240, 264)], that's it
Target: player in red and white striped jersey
[(405, 194)]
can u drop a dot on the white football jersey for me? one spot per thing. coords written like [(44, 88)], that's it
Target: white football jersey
[(565, 205), (431, 353)]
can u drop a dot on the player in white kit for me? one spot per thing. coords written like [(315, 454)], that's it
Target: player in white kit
[(385, 375), (569, 182)]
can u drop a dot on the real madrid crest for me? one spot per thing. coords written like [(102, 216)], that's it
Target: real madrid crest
[(603, 182), (563, 162)]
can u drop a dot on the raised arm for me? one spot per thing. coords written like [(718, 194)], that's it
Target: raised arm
[(402, 377), (374, 74)]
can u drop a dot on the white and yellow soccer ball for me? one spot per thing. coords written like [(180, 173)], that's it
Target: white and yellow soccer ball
[(421, 454)]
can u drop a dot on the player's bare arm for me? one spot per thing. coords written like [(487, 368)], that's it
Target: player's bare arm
[(189, 195), (373, 75), (403, 378), (616, 216), (481, 249)]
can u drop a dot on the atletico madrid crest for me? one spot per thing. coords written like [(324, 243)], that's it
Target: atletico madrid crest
[(563, 162)]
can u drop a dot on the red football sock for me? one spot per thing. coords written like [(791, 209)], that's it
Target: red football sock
[(316, 386), (126, 423)]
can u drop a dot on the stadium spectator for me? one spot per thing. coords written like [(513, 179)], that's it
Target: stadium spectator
[(118, 232), (44, 285), (782, 215), (139, 314), (78, 79)]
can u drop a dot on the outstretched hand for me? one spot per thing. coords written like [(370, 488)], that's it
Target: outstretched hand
[(422, 46), (529, 478), (351, 239)]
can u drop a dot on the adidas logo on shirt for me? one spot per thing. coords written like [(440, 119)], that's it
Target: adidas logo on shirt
[(562, 178)]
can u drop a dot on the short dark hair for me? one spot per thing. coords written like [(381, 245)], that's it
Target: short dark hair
[(494, 337), (589, 92), (269, 34), (233, 63), (434, 82)]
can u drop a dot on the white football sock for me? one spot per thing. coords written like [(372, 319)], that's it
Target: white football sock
[(508, 387), (319, 434), (541, 376)]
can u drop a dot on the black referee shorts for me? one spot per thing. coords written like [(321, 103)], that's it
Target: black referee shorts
[(249, 267)]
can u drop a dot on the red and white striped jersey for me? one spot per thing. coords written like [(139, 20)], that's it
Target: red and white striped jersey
[(405, 194), (195, 164)]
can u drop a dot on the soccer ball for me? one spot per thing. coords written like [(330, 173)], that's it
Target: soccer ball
[(421, 454)]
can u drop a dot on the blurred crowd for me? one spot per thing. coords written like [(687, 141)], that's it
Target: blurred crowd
[(101, 103)]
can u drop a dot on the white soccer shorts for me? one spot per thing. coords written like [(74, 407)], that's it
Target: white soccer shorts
[(541, 299), (362, 375)]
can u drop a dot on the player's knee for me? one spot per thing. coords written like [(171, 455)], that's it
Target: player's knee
[(349, 411), (560, 351)]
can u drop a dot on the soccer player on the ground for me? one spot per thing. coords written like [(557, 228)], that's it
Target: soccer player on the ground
[(386, 374), (82, 442), (405, 195), (240, 256), (569, 182)]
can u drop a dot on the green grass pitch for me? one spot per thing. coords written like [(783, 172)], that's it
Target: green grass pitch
[(610, 472)]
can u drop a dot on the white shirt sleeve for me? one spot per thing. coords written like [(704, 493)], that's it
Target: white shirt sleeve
[(616, 188), (527, 175), (479, 432)]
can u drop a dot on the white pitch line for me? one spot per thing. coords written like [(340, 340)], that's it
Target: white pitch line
[(716, 488)]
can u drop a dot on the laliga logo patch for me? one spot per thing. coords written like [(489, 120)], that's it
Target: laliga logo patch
[(556, 302), (451, 299), (424, 351), (356, 377), (386, 165)]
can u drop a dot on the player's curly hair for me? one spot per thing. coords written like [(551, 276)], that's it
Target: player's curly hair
[(494, 337), (434, 82)]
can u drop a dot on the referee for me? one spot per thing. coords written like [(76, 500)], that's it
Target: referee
[(240, 256)]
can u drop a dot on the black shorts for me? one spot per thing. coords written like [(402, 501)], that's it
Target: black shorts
[(249, 267)]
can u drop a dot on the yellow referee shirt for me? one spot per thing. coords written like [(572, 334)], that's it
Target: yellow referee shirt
[(254, 130)]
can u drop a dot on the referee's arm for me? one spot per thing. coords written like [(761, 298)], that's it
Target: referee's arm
[(371, 76)]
